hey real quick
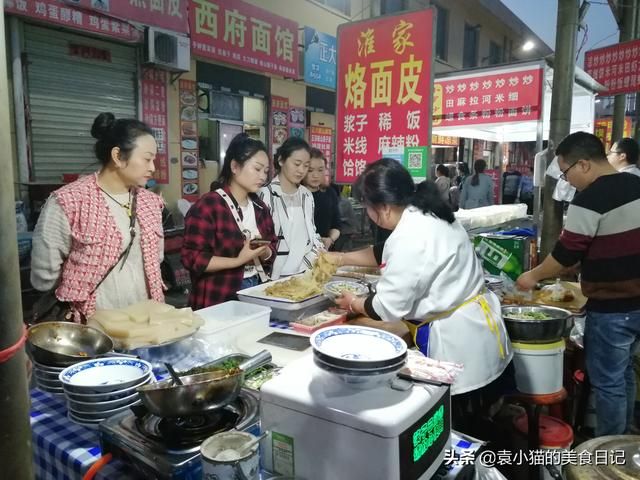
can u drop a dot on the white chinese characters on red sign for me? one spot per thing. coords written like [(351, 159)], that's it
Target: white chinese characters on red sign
[(52, 11), (154, 114), (384, 70), (615, 67), (505, 96), (237, 32)]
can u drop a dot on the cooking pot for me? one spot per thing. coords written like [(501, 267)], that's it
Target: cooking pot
[(62, 344), (549, 330), (622, 459), (199, 392)]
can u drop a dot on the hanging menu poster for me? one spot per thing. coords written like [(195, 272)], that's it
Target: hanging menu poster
[(279, 121), (321, 138), (154, 114), (296, 122), (189, 140)]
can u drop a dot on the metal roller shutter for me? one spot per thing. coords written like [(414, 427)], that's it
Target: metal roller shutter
[(67, 92)]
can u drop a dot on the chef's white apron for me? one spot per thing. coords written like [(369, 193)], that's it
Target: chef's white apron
[(471, 333)]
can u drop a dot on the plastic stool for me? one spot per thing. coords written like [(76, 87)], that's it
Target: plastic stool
[(532, 405)]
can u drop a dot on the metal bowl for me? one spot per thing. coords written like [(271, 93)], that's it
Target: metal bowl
[(62, 344), (537, 331)]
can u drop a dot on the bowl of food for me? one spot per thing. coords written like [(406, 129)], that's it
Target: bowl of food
[(536, 324), (335, 288)]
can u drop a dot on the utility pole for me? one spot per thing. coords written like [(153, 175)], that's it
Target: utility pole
[(561, 103), (627, 24), (15, 432)]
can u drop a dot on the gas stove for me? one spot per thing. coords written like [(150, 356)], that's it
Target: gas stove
[(169, 448)]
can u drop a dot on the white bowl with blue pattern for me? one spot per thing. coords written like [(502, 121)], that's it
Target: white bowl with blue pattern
[(105, 374), (350, 346)]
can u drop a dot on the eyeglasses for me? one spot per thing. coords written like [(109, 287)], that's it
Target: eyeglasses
[(563, 175)]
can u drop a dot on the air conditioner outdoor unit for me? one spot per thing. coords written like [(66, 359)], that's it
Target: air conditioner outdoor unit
[(169, 51)]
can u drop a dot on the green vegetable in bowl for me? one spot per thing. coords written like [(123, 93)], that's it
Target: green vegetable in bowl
[(256, 379), (530, 316), (228, 366)]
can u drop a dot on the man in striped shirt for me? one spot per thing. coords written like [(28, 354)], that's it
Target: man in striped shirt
[(602, 234)]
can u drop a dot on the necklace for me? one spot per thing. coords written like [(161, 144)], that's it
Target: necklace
[(126, 206)]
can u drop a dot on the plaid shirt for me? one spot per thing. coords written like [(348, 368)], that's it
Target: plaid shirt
[(209, 231)]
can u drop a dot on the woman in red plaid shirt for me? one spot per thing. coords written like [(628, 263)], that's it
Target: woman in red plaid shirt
[(222, 227)]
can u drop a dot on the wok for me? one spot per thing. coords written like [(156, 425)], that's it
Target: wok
[(199, 392), (62, 344)]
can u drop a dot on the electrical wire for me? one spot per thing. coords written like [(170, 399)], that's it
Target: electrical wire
[(584, 41)]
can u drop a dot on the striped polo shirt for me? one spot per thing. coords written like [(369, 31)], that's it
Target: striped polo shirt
[(602, 232)]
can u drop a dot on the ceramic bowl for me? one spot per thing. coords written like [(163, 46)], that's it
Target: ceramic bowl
[(97, 416), (104, 375), (94, 406), (354, 346), (335, 288), (108, 396), (361, 380)]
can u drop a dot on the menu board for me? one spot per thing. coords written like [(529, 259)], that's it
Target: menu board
[(154, 114), (296, 122), (189, 140), (322, 138), (279, 121)]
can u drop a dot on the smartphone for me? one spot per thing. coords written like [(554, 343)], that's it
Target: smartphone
[(257, 242)]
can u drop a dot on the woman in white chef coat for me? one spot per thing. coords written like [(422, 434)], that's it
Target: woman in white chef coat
[(292, 209), (431, 278)]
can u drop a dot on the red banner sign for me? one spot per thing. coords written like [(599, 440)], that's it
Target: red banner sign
[(61, 13), (154, 114), (615, 67), (384, 88), (497, 96), (169, 14), (237, 32), (604, 127), (322, 138)]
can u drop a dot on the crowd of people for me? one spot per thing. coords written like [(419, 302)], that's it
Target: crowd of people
[(99, 244)]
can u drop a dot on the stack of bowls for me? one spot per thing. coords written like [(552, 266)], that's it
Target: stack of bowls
[(46, 378), (360, 356), (98, 389)]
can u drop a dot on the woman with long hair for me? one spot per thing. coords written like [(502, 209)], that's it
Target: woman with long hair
[(431, 277), (326, 213), (229, 240), (477, 190), (99, 240), (292, 208)]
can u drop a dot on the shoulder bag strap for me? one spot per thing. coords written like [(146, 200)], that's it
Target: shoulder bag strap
[(236, 216)]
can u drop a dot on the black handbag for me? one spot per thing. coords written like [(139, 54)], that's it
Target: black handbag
[(48, 308)]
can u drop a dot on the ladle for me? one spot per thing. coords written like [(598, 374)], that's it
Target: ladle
[(246, 448), (174, 375)]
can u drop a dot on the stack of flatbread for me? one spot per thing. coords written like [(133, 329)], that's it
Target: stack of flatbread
[(145, 324)]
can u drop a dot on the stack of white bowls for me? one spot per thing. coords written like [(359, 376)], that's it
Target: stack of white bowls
[(46, 377), (360, 356), (98, 389)]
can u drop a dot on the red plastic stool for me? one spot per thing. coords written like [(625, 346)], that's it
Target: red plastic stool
[(532, 405)]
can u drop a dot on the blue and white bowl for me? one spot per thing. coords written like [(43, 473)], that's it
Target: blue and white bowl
[(98, 406), (105, 374), (355, 347), (108, 396)]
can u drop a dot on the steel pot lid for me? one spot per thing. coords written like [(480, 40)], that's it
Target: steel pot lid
[(620, 462)]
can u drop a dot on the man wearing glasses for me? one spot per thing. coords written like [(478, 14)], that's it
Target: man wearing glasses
[(602, 234), (624, 156)]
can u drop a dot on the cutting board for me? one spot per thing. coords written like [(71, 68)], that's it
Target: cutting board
[(541, 297)]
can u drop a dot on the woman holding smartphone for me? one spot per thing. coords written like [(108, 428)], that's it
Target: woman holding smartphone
[(229, 240)]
